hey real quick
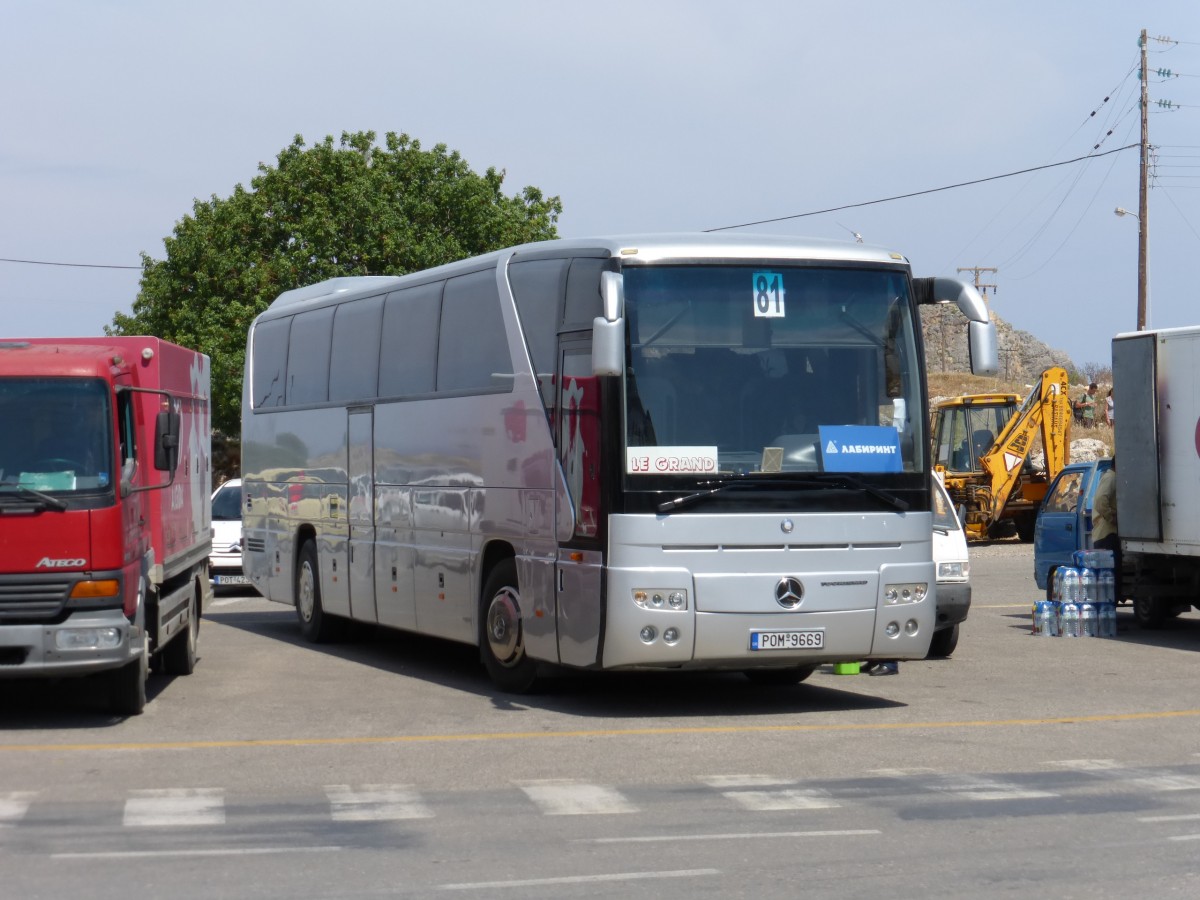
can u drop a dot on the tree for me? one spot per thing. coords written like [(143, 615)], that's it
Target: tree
[(323, 211)]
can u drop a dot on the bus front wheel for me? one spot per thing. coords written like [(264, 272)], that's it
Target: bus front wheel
[(501, 638), (316, 625)]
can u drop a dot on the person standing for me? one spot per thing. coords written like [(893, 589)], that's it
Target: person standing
[(1087, 406), (1104, 521), (1108, 409)]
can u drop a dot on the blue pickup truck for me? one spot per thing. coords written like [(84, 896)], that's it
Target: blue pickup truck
[(1064, 522)]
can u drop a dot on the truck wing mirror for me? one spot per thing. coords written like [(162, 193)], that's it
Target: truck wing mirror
[(166, 441)]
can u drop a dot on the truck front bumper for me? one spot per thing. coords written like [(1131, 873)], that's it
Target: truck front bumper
[(86, 642)]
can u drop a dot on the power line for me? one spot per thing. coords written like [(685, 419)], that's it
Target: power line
[(936, 190), (42, 262)]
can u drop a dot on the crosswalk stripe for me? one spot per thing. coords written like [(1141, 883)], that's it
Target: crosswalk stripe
[(14, 805), (561, 797), (785, 797), (1110, 769), (375, 803), (972, 787), (175, 807)]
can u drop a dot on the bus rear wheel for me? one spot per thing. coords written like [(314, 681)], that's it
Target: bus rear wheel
[(501, 635)]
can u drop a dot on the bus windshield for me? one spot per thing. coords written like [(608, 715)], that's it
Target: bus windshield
[(770, 368), (57, 435)]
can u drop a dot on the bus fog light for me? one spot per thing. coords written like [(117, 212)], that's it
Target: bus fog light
[(87, 639), (671, 635), (911, 627), (893, 629), (649, 633)]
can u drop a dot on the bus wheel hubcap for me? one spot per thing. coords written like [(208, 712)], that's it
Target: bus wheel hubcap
[(504, 627), (306, 593)]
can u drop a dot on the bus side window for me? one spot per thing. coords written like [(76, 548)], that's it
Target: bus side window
[(472, 342), (308, 357), (408, 354), (538, 286)]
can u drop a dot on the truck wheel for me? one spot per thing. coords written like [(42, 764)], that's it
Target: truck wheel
[(943, 643), (779, 677), (1026, 525), (501, 635), (1150, 613), (179, 656), (127, 685), (316, 625)]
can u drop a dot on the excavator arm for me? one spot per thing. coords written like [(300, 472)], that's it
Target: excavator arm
[(1047, 407)]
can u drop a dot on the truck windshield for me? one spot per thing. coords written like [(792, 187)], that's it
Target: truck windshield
[(57, 435), (749, 369)]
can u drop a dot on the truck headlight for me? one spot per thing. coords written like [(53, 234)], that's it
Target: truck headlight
[(87, 638), (953, 571)]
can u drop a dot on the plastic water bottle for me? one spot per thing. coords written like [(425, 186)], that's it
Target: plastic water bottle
[(1108, 619), (1045, 622), (1088, 623), (1070, 585), (1087, 586), (1069, 626), (1106, 587)]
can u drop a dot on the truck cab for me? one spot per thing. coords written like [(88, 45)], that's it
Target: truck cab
[(1064, 522)]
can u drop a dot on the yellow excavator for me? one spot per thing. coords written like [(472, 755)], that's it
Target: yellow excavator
[(981, 445)]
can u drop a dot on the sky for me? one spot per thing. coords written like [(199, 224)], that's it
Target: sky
[(651, 116)]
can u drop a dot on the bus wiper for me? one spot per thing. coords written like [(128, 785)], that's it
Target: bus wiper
[(851, 482), (822, 480), (27, 493)]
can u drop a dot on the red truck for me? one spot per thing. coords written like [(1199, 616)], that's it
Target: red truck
[(105, 524)]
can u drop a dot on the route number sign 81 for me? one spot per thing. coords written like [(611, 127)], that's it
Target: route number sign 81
[(768, 295)]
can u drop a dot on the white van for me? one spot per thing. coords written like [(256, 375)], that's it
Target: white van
[(225, 563), (953, 573)]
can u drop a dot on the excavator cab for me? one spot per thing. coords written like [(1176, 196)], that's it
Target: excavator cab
[(965, 429)]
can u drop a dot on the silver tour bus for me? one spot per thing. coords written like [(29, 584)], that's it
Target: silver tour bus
[(673, 451)]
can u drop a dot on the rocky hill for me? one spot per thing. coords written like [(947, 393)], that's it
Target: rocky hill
[(1022, 356)]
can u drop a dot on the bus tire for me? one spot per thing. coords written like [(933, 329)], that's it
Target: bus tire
[(780, 677), (179, 656), (501, 634), (317, 626), (127, 685)]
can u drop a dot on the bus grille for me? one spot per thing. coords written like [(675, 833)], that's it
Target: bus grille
[(27, 601)]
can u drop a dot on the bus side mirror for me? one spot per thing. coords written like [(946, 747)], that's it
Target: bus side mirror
[(982, 342), (608, 347), (166, 441)]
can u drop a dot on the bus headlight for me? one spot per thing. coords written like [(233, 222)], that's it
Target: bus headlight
[(912, 592), (660, 598)]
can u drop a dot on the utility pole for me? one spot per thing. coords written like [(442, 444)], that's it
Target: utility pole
[(979, 270), (1143, 205)]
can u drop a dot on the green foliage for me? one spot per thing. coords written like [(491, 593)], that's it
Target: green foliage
[(323, 211)]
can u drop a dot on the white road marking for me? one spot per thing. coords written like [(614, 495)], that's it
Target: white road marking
[(1190, 817), (14, 805), (578, 879), (973, 787), (561, 797), (228, 601), (1184, 837), (228, 851), (175, 807), (1147, 779), (787, 797), (735, 836), (375, 803)]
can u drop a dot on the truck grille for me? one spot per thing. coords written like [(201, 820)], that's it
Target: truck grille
[(28, 600)]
